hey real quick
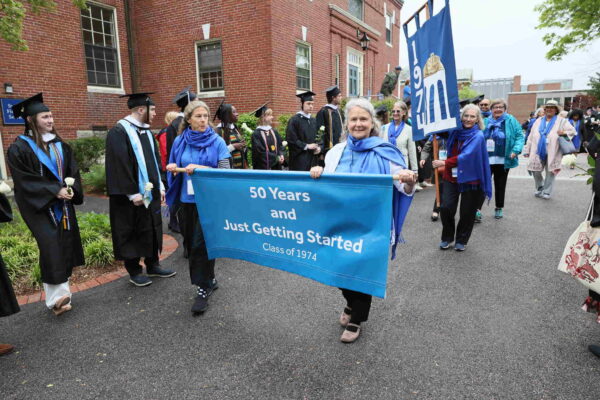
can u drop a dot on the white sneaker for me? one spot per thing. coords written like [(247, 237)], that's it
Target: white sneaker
[(546, 196), (418, 188), (426, 184), (537, 193)]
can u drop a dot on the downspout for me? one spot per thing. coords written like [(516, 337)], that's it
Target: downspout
[(130, 50)]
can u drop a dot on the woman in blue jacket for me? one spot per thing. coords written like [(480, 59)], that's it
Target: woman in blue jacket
[(504, 143)]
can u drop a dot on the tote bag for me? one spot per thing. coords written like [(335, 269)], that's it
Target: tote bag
[(581, 256)]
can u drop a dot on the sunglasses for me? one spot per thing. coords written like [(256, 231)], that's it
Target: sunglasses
[(396, 111)]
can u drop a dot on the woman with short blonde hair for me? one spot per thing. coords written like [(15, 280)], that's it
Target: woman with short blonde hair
[(267, 147)]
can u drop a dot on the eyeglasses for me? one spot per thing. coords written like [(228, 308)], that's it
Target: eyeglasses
[(483, 105), (498, 108), (396, 111)]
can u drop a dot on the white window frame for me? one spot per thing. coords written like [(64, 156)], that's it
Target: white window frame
[(310, 74), (389, 19), (351, 52), (209, 93), (362, 11), (105, 89)]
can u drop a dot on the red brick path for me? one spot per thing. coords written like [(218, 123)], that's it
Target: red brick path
[(169, 246)]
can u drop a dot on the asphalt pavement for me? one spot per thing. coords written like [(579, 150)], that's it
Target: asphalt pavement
[(498, 321)]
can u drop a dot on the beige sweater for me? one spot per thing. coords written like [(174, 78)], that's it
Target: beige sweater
[(553, 148)]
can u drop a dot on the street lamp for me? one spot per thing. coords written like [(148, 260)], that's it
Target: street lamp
[(364, 41)]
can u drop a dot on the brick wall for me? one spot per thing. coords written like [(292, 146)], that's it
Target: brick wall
[(521, 104), (55, 65)]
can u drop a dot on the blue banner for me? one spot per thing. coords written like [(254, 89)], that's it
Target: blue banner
[(434, 99), (334, 230), (8, 118)]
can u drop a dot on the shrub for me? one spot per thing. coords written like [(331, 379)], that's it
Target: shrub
[(388, 102), (98, 223), (98, 253), (87, 151), (95, 179)]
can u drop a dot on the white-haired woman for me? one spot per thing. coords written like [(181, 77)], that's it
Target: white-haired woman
[(543, 148), (466, 176), (196, 145), (399, 133), (363, 151)]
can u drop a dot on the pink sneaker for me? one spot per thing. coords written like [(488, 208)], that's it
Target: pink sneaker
[(351, 333)]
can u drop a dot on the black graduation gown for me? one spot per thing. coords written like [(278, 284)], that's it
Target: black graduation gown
[(35, 193), (271, 150), (136, 230), (8, 300), (172, 130), (333, 121), (300, 132)]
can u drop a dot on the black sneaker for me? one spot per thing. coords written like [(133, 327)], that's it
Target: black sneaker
[(140, 280), (159, 272), (595, 349), (201, 302), (212, 286)]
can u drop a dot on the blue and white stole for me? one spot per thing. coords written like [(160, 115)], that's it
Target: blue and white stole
[(134, 139), (54, 162)]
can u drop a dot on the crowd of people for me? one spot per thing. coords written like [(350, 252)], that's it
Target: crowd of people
[(143, 172)]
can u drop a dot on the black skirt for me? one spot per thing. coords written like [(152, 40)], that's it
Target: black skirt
[(8, 301)]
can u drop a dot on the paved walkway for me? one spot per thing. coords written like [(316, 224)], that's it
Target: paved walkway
[(496, 322)]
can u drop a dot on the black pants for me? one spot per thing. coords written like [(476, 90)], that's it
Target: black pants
[(425, 172), (500, 175), (134, 268), (435, 206), (469, 200), (202, 270), (360, 304)]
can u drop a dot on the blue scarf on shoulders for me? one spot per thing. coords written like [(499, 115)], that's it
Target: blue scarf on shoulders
[(394, 132), (495, 132), (378, 159), (486, 114), (544, 129), (473, 161), (202, 144), (577, 137)]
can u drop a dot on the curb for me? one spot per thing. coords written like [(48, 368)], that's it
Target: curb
[(169, 246)]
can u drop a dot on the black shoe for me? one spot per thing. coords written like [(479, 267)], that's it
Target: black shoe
[(159, 272), (595, 349), (201, 303), (140, 280)]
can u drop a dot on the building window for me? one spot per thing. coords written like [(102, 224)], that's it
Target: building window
[(355, 73), (336, 64), (355, 7), (101, 46), (210, 66), (303, 66), (389, 25)]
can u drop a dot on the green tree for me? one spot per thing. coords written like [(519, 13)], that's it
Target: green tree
[(594, 86), (467, 93), (12, 16), (577, 23)]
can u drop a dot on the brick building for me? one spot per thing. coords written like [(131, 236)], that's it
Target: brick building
[(247, 52)]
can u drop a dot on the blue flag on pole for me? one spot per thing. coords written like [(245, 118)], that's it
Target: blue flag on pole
[(334, 230), (434, 99)]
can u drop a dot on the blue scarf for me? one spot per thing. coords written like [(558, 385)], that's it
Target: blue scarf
[(51, 163), (473, 161), (495, 132), (577, 137), (486, 114), (394, 132), (202, 143), (377, 161), (544, 129)]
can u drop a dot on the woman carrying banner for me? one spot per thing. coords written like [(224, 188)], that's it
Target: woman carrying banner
[(543, 149), (47, 185), (363, 151), (465, 176), (196, 146)]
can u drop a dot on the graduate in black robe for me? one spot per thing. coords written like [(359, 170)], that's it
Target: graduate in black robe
[(135, 191), (8, 300), (236, 144), (267, 147), (331, 119), (301, 134), (42, 166)]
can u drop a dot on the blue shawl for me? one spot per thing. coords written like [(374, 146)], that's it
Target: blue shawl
[(207, 155), (495, 132), (486, 114), (394, 132), (577, 137), (473, 161), (377, 161), (544, 129)]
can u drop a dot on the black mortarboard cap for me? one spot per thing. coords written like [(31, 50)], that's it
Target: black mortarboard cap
[(382, 109), (306, 96), (184, 97), (31, 106), (332, 91), (260, 110), (138, 99), (220, 110)]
